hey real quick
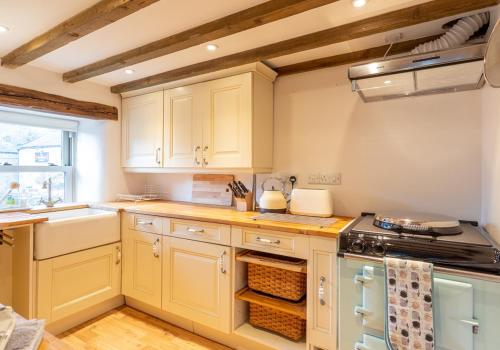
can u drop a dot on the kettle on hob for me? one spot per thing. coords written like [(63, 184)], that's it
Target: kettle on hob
[(273, 200)]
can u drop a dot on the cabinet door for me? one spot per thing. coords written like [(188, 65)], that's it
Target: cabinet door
[(196, 282), (183, 127), (142, 130), (72, 283), (322, 294), (227, 126), (142, 266)]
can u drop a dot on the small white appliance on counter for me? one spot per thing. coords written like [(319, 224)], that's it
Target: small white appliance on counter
[(311, 202)]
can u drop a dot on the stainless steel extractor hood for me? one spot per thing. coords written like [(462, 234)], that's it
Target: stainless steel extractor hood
[(450, 70)]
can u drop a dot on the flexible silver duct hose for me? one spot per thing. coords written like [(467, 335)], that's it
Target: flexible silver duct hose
[(457, 35)]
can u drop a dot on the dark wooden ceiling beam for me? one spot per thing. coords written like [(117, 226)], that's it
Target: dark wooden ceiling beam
[(353, 57), (17, 97), (405, 17), (99, 15), (261, 14)]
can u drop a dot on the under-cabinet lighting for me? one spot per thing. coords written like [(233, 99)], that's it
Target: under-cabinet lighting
[(387, 82), (129, 71)]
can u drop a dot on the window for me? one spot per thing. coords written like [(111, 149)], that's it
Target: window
[(32, 150)]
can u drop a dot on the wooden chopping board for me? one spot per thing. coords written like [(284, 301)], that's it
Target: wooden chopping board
[(212, 189)]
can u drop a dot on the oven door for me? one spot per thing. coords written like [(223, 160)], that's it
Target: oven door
[(458, 301)]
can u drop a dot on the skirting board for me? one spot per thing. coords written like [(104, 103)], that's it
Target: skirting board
[(232, 340), (60, 326)]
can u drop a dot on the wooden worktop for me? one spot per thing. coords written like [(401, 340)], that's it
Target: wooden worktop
[(12, 219), (223, 216)]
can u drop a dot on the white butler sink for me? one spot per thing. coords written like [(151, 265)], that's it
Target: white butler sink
[(69, 231)]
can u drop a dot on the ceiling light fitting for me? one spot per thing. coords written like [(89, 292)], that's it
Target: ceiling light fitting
[(359, 3)]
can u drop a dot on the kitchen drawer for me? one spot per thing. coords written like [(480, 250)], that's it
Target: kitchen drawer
[(148, 223), (276, 242), (200, 231)]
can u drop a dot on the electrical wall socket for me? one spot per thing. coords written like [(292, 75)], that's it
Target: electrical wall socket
[(325, 179)]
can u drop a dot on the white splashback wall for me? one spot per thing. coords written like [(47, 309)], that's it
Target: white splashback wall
[(99, 175), (409, 154), (420, 153), (491, 161)]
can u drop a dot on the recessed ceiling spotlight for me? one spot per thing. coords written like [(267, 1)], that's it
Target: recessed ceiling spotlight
[(212, 47), (3, 29), (387, 82), (129, 71), (359, 3)]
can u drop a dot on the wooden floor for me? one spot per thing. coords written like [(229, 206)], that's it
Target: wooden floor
[(126, 328)]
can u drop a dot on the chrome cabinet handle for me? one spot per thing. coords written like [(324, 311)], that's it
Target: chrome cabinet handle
[(321, 290), (267, 241), (157, 155), (473, 323), (156, 248), (196, 149), (143, 222), (195, 230), (118, 255), (222, 262), (205, 148)]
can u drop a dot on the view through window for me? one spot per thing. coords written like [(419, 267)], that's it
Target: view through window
[(29, 156)]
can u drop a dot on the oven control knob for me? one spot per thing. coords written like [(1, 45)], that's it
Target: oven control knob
[(378, 248), (358, 246)]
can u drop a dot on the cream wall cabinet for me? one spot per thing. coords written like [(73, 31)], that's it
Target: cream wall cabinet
[(142, 130), (142, 266), (197, 282), (322, 294), (74, 282), (183, 133), (225, 123), (220, 124)]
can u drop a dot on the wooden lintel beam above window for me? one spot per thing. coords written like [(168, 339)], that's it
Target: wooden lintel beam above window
[(99, 15), (17, 97), (252, 17), (417, 14), (353, 57)]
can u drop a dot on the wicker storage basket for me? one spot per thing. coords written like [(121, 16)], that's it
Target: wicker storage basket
[(283, 277), (290, 326)]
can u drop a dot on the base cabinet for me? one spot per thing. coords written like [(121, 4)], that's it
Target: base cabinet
[(74, 282), (196, 282), (142, 266), (322, 294)]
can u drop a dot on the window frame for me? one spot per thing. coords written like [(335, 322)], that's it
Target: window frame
[(68, 150)]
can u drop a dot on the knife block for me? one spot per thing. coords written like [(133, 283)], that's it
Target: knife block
[(245, 204)]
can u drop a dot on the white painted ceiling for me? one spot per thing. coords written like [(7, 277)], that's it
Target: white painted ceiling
[(29, 18)]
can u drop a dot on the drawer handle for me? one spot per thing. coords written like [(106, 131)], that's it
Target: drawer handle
[(267, 241), (156, 248), (118, 255), (222, 260), (195, 230), (143, 222), (321, 290)]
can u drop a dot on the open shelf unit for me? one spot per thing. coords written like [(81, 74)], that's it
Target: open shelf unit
[(243, 295)]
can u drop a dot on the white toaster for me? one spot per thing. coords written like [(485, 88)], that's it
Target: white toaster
[(311, 202)]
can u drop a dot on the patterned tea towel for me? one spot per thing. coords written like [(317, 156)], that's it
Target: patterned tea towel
[(409, 319)]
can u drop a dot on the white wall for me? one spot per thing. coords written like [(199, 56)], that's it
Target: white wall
[(491, 161), (409, 154), (99, 175), (420, 153)]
